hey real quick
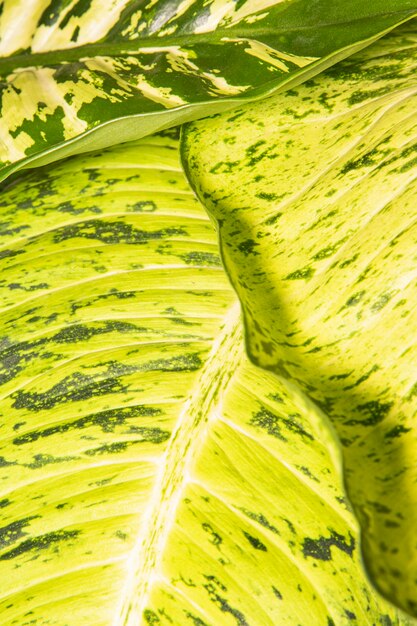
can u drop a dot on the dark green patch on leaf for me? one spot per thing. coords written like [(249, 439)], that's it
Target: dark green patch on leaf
[(151, 617), (305, 273), (355, 299), (13, 532), (106, 420), (201, 258), (43, 542), (373, 411), (255, 542), (275, 424), (261, 519), (248, 247), (321, 548), (112, 232), (397, 431)]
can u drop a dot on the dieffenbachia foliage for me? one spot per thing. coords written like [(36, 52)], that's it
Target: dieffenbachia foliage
[(83, 74), (149, 473), (314, 192)]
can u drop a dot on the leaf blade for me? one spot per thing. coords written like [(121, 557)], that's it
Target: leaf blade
[(117, 299), (329, 280)]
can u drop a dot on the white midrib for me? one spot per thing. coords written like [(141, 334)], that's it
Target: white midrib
[(200, 409)]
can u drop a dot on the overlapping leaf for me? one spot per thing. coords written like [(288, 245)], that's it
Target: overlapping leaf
[(125, 68), (149, 473), (320, 244)]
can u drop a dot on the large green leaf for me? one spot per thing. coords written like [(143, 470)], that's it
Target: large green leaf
[(315, 194), (83, 74), (149, 473)]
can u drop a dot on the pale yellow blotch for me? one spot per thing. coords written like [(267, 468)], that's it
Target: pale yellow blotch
[(56, 92), (95, 24), (134, 25), (42, 34), (18, 23), (92, 87), (150, 4), (17, 107), (162, 95), (256, 18), (222, 87), (141, 27), (249, 8), (110, 67), (113, 67), (13, 148), (181, 61), (20, 104), (219, 9), (182, 8), (166, 32), (174, 50), (274, 57), (86, 89)]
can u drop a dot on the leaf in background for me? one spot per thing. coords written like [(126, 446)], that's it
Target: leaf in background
[(125, 69), (146, 467), (315, 195)]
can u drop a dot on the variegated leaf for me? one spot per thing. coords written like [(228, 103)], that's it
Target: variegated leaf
[(83, 74), (149, 473), (315, 195)]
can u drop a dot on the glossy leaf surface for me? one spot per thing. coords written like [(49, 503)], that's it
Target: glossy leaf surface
[(320, 243), (149, 473), (110, 71)]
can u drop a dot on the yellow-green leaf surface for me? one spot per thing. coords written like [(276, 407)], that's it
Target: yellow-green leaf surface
[(149, 474), (77, 75), (315, 194)]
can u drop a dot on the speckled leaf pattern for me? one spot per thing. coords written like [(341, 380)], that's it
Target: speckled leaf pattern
[(149, 473), (320, 244), (78, 75)]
